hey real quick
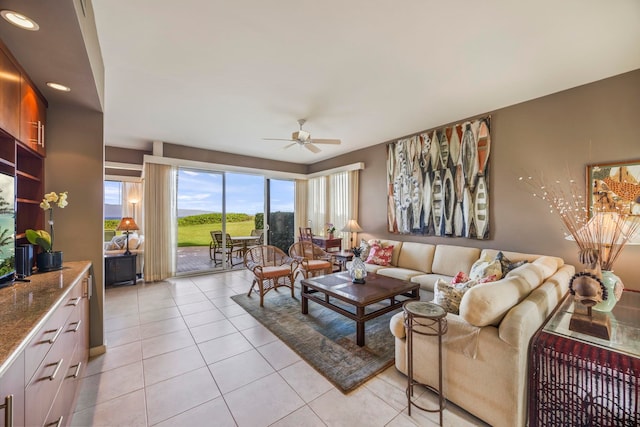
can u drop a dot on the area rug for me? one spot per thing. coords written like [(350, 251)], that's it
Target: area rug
[(325, 339)]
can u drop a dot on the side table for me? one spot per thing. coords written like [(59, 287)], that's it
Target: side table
[(581, 380), (120, 269), (424, 318), (342, 258)]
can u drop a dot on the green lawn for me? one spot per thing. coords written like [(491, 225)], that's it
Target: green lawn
[(198, 235)]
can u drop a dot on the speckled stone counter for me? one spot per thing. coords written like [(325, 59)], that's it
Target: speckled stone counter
[(25, 306)]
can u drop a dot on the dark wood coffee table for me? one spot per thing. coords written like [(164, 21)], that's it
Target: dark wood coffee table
[(376, 289)]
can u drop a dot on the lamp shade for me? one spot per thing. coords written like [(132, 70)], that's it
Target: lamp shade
[(352, 227), (127, 224)]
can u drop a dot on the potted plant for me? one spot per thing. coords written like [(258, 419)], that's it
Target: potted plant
[(48, 259), (330, 230)]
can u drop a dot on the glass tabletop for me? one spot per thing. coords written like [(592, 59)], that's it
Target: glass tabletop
[(425, 309), (624, 318)]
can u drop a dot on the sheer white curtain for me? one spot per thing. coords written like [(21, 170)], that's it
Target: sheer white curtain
[(343, 201), (132, 202), (300, 213), (317, 205), (160, 221)]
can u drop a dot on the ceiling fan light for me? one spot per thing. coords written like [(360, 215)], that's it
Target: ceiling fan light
[(301, 135)]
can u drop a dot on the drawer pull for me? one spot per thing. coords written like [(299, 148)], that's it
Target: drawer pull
[(77, 326), (57, 423), (77, 372), (75, 302), (8, 410), (55, 371), (55, 337)]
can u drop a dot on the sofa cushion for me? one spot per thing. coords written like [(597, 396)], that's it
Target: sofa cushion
[(416, 256), (380, 255), (428, 281), (134, 241), (449, 260), (487, 303), (399, 273)]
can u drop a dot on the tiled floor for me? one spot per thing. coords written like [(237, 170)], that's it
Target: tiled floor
[(182, 353)]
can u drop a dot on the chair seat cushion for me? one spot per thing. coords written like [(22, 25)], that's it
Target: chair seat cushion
[(317, 264), (270, 272)]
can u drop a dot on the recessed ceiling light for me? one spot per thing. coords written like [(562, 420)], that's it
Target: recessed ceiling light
[(58, 86), (20, 20)]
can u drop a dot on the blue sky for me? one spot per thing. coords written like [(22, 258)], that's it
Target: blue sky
[(202, 190)]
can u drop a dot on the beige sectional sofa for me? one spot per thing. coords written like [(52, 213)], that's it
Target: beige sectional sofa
[(485, 348)]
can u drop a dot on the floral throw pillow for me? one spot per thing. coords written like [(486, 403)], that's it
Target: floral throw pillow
[(448, 295), (117, 242), (485, 268), (379, 255), (461, 277), (365, 247)]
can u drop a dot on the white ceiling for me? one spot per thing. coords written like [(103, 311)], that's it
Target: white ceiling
[(223, 74)]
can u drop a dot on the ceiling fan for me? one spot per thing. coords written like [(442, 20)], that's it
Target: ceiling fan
[(303, 139)]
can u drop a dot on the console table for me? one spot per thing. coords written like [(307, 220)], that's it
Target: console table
[(327, 244), (120, 269), (580, 380)]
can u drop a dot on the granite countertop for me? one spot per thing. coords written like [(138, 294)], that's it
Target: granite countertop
[(26, 305)]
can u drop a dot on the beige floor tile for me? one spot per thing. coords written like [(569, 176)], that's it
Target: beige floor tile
[(221, 348), (109, 385), (220, 292), (190, 298), (172, 364), (403, 420), (196, 307), (203, 317), (128, 410), (395, 397), (212, 330), (239, 370), (305, 380), (453, 415), (213, 412), (263, 402), (244, 321), (156, 304), (169, 398), (122, 336), (159, 314), (259, 335), (394, 377), (121, 309), (161, 327), (115, 357), (232, 310), (184, 289), (302, 417), (222, 301), (122, 322), (278, 354), (165, 343), (359, 408)]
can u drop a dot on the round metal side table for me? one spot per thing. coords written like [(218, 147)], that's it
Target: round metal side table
[(424, 318)]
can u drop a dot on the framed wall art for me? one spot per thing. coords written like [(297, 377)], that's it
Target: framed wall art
[(614, 186), (438, 181)]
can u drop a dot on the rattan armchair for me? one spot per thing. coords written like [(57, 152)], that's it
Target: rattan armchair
[(312, 259), (271, 268)]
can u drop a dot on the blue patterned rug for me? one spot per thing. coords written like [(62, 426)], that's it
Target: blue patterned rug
[(324, 338)]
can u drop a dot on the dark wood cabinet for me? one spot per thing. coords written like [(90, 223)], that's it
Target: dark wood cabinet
[(9, 95), (120, 269), (33, 116)]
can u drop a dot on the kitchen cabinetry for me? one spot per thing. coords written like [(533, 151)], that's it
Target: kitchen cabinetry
[(50, 339), (29, 191), (33, 116), (10, 80), (12, 394)]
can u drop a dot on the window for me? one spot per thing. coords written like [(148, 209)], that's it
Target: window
[(112, 203)]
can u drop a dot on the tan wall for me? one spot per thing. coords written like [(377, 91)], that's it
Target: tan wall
[(74, 163), (595, 123)]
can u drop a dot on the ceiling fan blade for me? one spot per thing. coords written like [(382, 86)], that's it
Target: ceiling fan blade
[(289, 145), (326, 141), (312, 147), (278, 139)]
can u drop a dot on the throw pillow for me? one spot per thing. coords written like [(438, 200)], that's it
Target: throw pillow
[(485, 267), (365, 247), (461, 277), (506, 264), (379, 255), (449, 295), (117, 243)]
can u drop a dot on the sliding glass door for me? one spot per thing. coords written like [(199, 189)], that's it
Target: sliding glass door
[(280, 213)]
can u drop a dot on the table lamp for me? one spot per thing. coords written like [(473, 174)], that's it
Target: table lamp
[(352, 227), (127, 224)]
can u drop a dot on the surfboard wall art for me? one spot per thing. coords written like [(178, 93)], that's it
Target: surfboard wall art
[(438, 181)]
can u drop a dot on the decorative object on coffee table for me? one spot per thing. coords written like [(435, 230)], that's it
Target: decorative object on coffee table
[(127, 224), (48, 259), (357, 270)]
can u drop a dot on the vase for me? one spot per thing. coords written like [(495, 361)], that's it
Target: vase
[(331, 235), (357, 270), (49, 261), (614, 286)]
